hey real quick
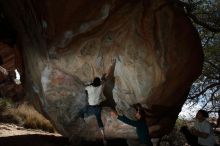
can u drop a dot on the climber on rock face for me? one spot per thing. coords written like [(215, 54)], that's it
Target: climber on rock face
[(95, 97)]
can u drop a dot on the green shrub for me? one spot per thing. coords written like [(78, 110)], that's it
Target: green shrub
[(180, 123)]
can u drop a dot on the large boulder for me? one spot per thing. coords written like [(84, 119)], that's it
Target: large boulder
[(67, 43)]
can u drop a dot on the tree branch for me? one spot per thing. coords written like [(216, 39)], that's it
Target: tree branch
[(195, 19), (205, 25), (212, 64), (204, 90)]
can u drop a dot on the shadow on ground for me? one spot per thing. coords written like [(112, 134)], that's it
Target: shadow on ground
[(50, 140)]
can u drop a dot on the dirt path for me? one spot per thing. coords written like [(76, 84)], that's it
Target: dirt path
[(12, 135), (14, 130)]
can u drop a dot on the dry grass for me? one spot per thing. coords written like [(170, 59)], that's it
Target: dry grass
[(25, 115)]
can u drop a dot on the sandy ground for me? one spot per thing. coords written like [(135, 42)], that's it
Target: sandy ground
[(7, 130), (12, 135)]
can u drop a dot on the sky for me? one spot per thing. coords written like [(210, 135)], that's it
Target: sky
[(188, 111)]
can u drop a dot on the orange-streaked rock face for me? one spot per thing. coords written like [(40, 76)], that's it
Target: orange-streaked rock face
[(66, 44)]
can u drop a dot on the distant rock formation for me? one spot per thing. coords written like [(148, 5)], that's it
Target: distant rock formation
[(67, 43), (10, 59)]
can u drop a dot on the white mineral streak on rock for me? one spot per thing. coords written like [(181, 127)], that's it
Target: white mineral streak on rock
[(45, 77), (44, 24), (68, 35)]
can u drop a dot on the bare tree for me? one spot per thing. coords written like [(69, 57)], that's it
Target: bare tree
[(205, 15)]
